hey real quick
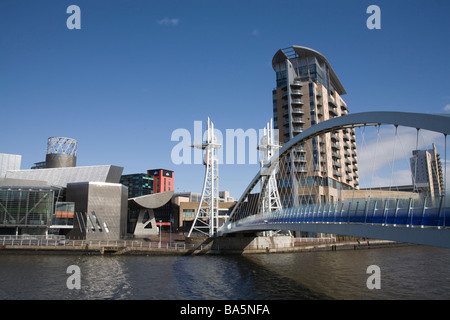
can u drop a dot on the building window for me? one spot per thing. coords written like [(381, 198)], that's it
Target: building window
[(188, 213)]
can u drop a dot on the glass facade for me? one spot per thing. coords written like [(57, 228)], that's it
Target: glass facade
[(63, 215), (26, 207), (139, 184), (33, 207)]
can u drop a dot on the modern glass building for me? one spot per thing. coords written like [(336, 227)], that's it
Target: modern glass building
[(307, 92), (139, 184), (82, 203), (31, 210)]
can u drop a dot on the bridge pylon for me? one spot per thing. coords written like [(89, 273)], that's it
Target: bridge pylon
[(206, 219), (270, 197)]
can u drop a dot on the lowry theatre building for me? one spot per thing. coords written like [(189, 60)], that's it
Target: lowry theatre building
[(57, 197)]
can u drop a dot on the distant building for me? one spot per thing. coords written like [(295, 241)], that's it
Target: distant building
[(139, 184), (426, 172), (187, 211), (186, 204), (9, 162), (162, 180), (224, 196)]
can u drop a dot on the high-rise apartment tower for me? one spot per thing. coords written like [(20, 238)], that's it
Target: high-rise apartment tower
[(426, 172), (308, 92)]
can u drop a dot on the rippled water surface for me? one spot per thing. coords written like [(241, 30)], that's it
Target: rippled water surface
[(406, 273)]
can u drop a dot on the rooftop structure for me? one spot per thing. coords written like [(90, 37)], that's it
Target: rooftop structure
[(9, 162), (61, 152)]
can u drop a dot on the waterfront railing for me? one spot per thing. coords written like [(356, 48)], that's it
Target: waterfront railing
[(47, 241)]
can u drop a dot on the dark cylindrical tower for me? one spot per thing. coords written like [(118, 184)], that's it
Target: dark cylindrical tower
[(61, 152)]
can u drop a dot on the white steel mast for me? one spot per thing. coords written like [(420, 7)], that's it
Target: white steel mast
[(270, 196), (206, 219)]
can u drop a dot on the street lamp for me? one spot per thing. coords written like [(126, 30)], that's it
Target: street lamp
[(160, 226)]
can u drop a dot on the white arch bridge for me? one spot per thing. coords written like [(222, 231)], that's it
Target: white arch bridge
[(420, 220)]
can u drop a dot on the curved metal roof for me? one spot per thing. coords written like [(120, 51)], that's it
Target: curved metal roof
[(151, 201), (281, 56)]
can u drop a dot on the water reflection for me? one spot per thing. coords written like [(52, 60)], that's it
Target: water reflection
[(413, 272), (406, 273)]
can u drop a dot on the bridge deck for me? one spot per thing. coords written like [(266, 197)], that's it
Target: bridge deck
[(396, 220)]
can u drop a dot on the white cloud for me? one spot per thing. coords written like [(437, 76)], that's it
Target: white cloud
[(169, 21), (447, 107)]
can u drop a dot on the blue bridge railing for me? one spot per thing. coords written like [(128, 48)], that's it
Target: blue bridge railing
[(386, 212)]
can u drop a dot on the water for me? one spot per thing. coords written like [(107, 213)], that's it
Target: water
[(413, 272)]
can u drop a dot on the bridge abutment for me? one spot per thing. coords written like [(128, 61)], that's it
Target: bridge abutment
[(244, 243)]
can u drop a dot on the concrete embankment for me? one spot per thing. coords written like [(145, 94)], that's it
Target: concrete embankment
[(258, 246)]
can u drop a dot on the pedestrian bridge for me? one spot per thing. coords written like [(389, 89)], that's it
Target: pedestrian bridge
[(417, 218), (404, 220)]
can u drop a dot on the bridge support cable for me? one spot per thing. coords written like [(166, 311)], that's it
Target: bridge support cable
[(391, 211), (393, 156)]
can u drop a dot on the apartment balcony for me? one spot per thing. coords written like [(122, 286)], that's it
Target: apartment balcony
[(296, 92), (300, 169), (299, 149), (297, 111), (297, 130), (296, 83), (333, 112), (331, 102), (334, 136), (296, 101), (335, 146), (336, 164), (297, 120), (336, 155), (337, 173)]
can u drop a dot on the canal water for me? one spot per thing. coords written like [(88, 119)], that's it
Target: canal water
[(410, 272)]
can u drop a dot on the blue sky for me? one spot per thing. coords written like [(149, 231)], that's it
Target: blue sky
[(138, 70)]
